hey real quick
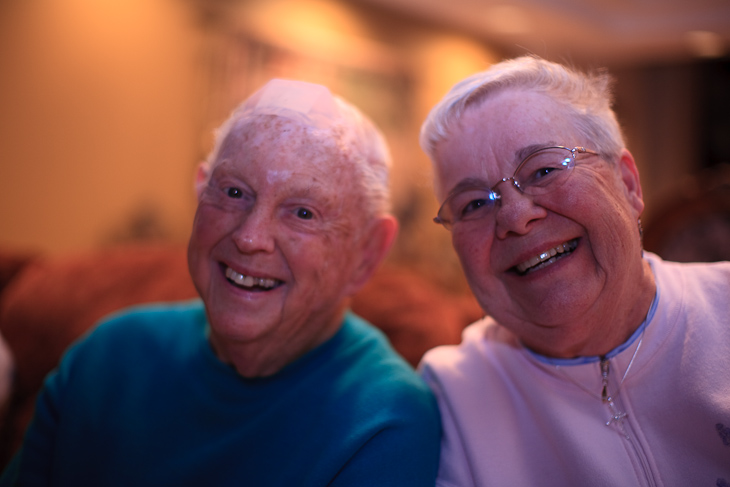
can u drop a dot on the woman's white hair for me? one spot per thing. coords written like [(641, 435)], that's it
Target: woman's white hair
[(587, 99), (328, 116)]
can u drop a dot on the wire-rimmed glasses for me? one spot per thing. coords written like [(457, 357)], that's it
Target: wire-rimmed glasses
[(541, 172)]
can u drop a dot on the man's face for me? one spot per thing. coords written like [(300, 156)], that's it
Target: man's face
[(593, 216), (275, 236)]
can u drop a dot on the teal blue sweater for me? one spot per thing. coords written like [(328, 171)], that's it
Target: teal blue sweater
[(144, 401)]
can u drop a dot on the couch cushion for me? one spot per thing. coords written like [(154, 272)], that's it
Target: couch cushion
[(52, 301)]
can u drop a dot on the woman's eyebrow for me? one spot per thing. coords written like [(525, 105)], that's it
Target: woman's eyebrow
[(525, 151), (467, 183)]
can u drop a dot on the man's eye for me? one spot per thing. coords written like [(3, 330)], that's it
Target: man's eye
[(234, 193), (304, 214)]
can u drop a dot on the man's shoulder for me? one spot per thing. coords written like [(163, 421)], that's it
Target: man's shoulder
[(157, 311), (157, 315), (363, 343), (141, 327), (366, 360)]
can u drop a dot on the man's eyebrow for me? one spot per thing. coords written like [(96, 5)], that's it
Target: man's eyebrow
[(306, 191), (311, 191), (220, 166)]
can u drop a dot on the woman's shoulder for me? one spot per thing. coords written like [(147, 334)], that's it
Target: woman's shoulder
[(696, 280), (483, 337)]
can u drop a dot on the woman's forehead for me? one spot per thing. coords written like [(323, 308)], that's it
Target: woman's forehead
[(512, 124), (493, 136)]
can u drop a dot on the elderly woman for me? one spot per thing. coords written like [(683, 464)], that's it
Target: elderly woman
[(598, 364), (269, 380)]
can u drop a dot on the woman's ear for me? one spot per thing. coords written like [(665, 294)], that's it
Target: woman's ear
[(201, 178), (632, 184), (374, 244)]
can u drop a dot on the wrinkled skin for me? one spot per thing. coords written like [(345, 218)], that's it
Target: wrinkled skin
[(280, 204), (585, 303)]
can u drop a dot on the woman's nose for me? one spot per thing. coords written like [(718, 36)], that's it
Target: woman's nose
[(516, 210)]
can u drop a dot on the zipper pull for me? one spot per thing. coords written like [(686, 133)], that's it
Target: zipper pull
[(604, 379)]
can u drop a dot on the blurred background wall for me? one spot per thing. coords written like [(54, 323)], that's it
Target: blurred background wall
[(107, 106)]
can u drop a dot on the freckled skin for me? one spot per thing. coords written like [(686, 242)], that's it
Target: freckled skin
[(280, 169), (585, 304)]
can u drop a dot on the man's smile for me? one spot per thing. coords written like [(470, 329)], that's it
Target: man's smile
[(251, 283)]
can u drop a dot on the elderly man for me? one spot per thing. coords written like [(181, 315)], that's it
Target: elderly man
[(269, 380), (598, 364)]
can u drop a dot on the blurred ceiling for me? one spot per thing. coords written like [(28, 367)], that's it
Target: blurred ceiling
[(611, 32)]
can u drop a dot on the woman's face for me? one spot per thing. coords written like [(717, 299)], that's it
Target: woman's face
[(275, 239), (560, 308)]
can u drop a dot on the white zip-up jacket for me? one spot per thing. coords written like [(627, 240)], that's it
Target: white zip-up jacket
[(512, 418)]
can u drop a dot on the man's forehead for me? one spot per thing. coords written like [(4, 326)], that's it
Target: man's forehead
[(274, 169), (283, 153), (277, 137), (266, 128), (302, 169)]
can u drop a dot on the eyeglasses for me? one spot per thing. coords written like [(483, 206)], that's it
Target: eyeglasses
[(541, 172)]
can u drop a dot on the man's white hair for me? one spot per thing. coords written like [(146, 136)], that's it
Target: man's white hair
[(320, 112)]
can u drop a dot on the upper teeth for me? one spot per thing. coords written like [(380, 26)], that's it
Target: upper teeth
[(548, 254), (249, 281)]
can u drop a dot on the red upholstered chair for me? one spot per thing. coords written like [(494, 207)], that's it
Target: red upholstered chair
[(48, 302)]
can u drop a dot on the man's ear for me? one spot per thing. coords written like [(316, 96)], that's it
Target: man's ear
[(632, 184), (201, 178), (375, 242)]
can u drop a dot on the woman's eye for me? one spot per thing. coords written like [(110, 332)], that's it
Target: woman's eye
[(473, 205), (542, 172), (234, 193), (304, 214)]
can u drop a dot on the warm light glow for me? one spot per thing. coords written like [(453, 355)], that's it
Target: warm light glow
[(452, 58), (322, 28), (507, 19), (445, 60), (705, 44), (99, 102)]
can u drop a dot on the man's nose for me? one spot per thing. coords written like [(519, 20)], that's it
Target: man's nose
[(255, 231)]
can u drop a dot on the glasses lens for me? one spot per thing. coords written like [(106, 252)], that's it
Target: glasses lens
[(468, 204), (545, 170)]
